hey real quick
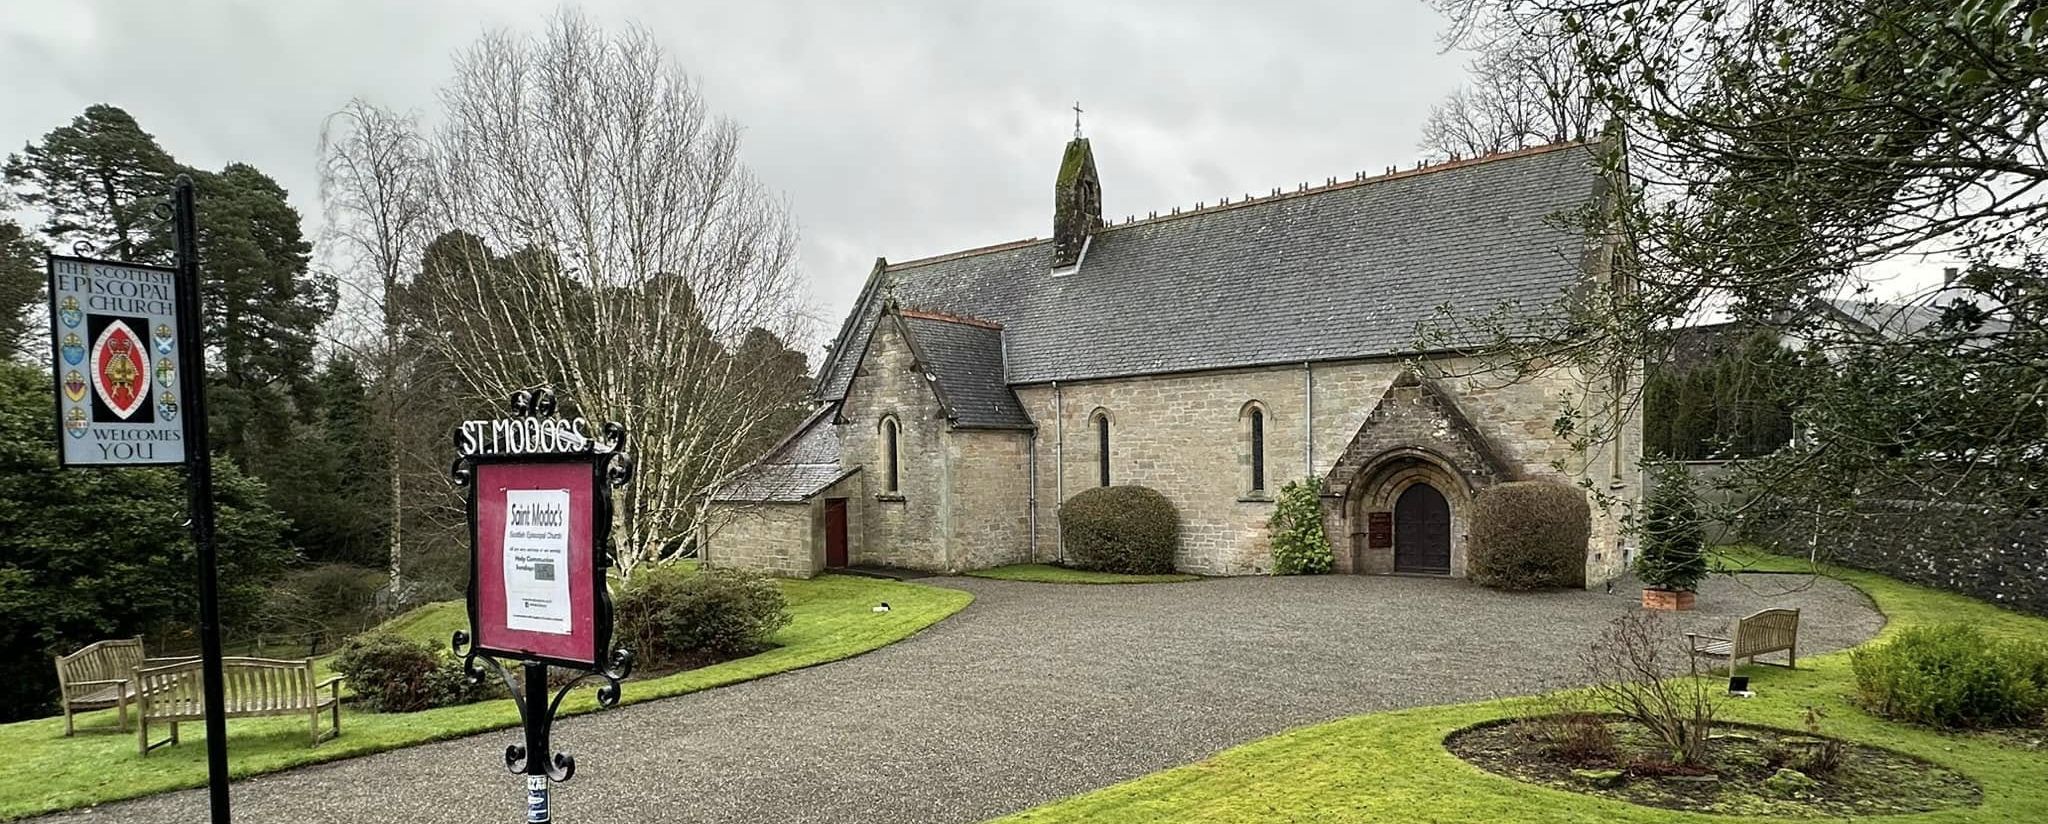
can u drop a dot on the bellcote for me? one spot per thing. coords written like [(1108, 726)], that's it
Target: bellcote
[(1077, 204)]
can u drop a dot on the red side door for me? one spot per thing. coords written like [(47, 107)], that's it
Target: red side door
[(835, 532)]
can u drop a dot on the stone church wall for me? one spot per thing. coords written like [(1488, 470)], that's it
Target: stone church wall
[(1179, 435), (1182, 435), (904, 529), (991, 498), (770, 538)]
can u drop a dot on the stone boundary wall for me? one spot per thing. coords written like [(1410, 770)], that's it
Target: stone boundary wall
[(2000, 558)]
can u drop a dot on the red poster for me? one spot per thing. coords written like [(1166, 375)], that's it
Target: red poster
[(536, 580)]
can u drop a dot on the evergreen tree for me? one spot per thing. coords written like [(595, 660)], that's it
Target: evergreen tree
[(784, 376), (264, 304), (329, 476), (104, 553), (1660, 406), (1692, 431), (98, 180), (21, 287)]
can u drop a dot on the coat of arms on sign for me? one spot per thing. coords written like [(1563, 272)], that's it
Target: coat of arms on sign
[(120, 374)]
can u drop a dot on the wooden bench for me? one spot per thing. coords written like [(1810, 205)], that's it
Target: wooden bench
[(254, 687), (102, 675), (1770, 630)]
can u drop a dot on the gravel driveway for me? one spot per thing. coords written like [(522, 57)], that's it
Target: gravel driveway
[(1033, 693)]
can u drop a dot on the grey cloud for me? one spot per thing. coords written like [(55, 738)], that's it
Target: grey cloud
[(895, 129)]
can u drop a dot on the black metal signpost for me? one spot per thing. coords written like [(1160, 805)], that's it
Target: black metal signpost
[(199, 488), (540, 512), (129, 362)]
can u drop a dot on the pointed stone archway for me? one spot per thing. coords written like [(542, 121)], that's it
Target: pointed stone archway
[(1397, 499)]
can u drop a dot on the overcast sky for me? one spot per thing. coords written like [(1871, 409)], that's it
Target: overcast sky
[(895, 129)]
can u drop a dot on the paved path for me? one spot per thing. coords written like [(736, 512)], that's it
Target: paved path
[(1033, 693)]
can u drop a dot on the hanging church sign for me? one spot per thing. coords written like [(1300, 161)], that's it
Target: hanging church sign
[(540, 516), (114, 353), (540, 524)]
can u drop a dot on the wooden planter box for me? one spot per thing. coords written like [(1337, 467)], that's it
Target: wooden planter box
[(1667, 600)]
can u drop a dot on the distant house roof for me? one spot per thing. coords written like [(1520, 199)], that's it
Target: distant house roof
[(1353, 269), (804, 464), (1897, 321), (965, 356)]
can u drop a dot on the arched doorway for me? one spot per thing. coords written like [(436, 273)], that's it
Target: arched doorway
[(1422, 531)]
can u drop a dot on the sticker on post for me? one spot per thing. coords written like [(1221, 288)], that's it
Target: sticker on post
[(536, 558)]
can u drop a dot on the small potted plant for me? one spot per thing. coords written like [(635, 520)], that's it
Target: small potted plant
[(1674, 555)]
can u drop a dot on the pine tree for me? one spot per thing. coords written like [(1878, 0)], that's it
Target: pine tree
[(21, 287), (784, 378), (264, 305), (98, 180), (328, 476)]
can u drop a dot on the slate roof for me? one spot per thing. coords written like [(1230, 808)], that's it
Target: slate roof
[(966, 357), (1899, 321), (1343, 271), (802, 465)]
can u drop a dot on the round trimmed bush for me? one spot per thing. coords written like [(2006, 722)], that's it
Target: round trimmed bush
[(1529, 535), (392, 673), (1128, 529), (680, 617)]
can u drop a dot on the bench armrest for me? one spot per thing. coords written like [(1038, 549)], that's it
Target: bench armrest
[(158, 662), (104, 682), (329, 681)]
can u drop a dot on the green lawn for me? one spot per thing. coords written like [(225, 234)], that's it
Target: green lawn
[(1050, 574), (832, 619), (1393, 767)]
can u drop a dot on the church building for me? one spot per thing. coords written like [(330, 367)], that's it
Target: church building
[(1214, 354)]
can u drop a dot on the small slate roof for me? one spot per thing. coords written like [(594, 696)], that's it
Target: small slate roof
[(803, 465), (966, 357), (1344, 271), (1899, 321)]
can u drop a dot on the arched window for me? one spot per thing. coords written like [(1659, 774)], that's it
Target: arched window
[(1258, 436), (891, 457), (1252, 420), (1102, 447)]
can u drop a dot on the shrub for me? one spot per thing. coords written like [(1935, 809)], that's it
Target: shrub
[(1128, 529), (1674, 555), (1300, 547), (1953, 676), (675, 617), (392, 673), (1529, 535), (1630, 673)]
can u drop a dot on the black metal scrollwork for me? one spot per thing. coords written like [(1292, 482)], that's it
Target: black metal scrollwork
[(538, 717), (536, 434)]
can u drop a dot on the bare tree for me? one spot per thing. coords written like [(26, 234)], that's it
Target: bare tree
[(1525, 89), (611, 244), (374, 178)]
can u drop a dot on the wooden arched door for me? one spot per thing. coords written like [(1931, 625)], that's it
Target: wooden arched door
[(1422, 531)]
